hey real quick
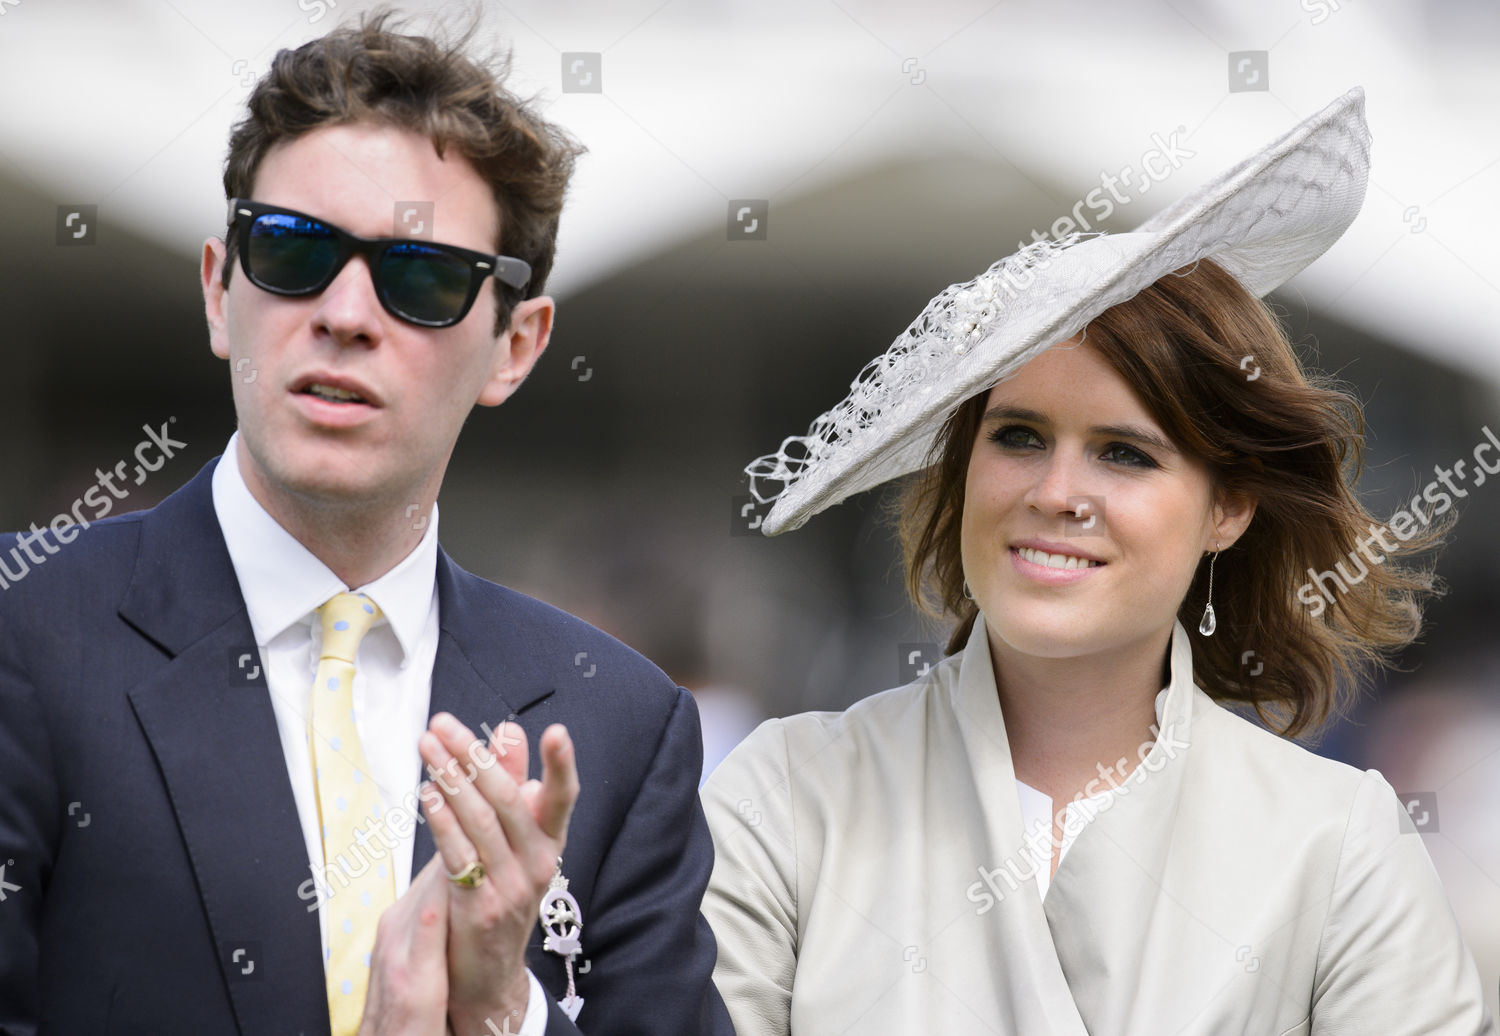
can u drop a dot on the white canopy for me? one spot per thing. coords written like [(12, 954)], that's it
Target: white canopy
[(127, 104)]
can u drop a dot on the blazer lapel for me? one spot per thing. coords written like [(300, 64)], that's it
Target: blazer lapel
[(486, 670), (1107, 898), (1020, 955), (207, 714)]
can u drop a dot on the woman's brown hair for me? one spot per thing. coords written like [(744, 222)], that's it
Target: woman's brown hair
[(368, 73), (1213, 366)]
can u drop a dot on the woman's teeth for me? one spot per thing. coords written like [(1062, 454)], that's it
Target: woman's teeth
[(1041, 557)]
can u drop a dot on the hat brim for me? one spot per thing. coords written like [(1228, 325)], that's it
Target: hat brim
[(1263, 220)]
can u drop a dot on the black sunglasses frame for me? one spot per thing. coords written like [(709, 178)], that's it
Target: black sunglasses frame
[(513, 272)]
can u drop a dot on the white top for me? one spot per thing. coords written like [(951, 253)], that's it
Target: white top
[(1036, 819), (284, 584)]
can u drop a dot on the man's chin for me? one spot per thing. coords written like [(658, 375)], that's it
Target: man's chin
[(323, 488), (327, 473)]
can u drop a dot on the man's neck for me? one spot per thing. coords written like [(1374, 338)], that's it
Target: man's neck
[(359, 542)]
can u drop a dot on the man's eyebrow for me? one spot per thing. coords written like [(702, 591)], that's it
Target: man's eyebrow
[(1118, 431)]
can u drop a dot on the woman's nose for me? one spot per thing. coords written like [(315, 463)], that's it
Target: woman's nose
[(1064, 486)]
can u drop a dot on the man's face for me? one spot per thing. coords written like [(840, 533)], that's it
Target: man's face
[(418, 383)]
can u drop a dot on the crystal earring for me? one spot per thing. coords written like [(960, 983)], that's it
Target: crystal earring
[(1209, 623)]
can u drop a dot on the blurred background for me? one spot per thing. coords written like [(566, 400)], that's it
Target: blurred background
[(773, 190)]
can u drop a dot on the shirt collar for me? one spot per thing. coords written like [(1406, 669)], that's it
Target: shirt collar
[(283, 582)]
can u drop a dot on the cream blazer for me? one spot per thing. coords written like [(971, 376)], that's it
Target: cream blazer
[(869, 879)]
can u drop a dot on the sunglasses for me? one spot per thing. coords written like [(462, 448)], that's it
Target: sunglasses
[(422, 282)]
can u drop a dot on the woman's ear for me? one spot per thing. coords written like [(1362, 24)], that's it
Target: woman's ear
[(1232, 513)]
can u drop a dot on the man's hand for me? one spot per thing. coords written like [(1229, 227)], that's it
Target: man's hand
[(516, 829), (408, 991)]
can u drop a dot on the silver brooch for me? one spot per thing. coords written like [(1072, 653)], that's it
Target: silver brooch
[(562, 920)]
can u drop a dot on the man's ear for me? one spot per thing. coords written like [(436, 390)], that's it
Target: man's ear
[(518, 349), (214, 257)]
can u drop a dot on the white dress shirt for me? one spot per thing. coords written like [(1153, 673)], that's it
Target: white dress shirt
[(1036, 816), (284, 584)]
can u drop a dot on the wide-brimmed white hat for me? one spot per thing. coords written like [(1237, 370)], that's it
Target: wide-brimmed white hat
[(1263, 220)]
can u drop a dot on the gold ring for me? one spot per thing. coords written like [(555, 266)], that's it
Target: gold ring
[(471, 877)]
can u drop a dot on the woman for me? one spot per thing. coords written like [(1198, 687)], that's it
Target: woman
[(1064, 827)]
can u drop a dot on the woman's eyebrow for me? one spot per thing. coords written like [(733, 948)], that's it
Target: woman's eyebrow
[(1006, 412)]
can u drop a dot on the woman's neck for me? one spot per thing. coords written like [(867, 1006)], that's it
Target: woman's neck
[(1072, 721)]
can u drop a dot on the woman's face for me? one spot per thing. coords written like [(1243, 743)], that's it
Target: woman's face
[(1066, 436)]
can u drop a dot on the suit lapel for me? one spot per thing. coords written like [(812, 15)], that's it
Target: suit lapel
[(207, 715), (486, 670)]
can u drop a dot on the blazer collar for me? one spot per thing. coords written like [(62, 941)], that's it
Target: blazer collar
[(1117, 874), (977, 700), (490, 665), (184, 587), (491, 646), (1108, 882)]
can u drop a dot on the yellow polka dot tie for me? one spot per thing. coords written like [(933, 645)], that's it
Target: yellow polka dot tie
[(359, 887)]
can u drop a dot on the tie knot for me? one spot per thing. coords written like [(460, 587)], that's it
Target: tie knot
[(346, 619)]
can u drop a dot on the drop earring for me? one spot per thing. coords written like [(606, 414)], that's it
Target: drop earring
[(968, 594), (1209, 623)]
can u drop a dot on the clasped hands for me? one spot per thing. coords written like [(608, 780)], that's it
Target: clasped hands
[(450, 959)]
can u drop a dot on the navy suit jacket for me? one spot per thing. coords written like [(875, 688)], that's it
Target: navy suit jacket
[(151, 847)]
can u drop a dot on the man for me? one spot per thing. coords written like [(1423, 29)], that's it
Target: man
[(216, 712)]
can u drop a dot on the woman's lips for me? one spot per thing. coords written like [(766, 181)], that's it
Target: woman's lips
[(1049, 576)]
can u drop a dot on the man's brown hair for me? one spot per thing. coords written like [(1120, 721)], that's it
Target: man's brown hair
[(367, 73)]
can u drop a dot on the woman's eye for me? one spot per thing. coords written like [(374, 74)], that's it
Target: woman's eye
[(1012, 435), (1019, 436), (1129, 455)]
